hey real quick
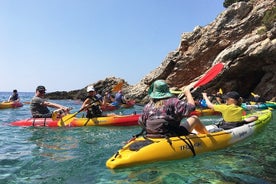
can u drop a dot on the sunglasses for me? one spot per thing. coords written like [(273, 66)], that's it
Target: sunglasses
[(43, 92)]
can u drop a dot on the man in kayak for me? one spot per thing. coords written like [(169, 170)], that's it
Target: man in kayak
[(162, 116), (231, 111), (14, 97), (119, 99), (39, 105)]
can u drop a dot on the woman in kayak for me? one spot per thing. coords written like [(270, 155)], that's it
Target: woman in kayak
[(162, 116), (231, 111), (92, 103)]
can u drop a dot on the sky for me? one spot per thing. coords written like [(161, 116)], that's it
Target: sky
[(68, 44)]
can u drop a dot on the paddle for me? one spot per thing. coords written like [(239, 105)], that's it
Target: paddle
[(118, 86), (210, 75), (64, 120), (220, 91)]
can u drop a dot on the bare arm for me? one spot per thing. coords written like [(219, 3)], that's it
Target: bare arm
[(208, 103), (188, 95), (54, 105)]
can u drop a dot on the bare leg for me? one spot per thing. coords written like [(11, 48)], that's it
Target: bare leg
[(195, 123)]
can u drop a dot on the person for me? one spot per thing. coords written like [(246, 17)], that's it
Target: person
[(257, 99), (14, 97), (119, 98), (39, 105), (162, 116), (92, 103), (108, 99), (231, 110)]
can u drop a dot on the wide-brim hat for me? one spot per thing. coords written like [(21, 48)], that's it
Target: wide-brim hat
[(159, 90), (232, 94)]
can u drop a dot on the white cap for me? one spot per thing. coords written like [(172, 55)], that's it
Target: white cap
[(90, 88)]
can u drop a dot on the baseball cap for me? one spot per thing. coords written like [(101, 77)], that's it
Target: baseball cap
[(232, 94), (90, 88), (40, 88)]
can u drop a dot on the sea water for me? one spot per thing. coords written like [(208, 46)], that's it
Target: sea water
[(78, 155)]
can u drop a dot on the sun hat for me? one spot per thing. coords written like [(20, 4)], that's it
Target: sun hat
[(159, 89), (90, 88), (40, 88), (232, 94)]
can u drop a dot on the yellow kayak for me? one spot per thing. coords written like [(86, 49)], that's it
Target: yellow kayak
[(7, 105), (147, 150)]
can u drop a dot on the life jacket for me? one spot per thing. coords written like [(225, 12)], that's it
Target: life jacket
[(94, 110), (14, 97)]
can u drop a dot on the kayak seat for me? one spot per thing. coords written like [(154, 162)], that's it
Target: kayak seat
[(137, 145), (214, 129)]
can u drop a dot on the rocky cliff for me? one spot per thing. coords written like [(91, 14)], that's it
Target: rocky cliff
[(242, 37)]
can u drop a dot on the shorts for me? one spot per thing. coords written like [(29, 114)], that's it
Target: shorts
[(230, 125)]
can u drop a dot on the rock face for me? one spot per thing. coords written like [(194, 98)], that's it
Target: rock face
[(242, 37), (237, 38), (102, 86)]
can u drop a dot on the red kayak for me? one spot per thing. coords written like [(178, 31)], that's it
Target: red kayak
[(114, 120)]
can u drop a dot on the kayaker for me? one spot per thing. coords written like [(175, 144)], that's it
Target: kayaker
[(162, 116), (14, 97), (257, 99), (92, 103), (119, 98), (109, 99), (39, 105), (231, 111)]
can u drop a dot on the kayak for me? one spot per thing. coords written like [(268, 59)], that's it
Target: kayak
[(253, 105), (114, 120), (270, 104), (246, 106), (7, 105), (148, 150), (110, 107)]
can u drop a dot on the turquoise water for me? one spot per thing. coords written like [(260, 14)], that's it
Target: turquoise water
[(78, 155)]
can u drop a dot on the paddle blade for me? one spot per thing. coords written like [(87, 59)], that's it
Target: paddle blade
[(254, 95), (210, 75), (118, 87), (220, 91), (65, 120), (55, 116)]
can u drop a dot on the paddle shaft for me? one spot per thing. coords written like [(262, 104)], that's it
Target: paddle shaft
[(62, 122)]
